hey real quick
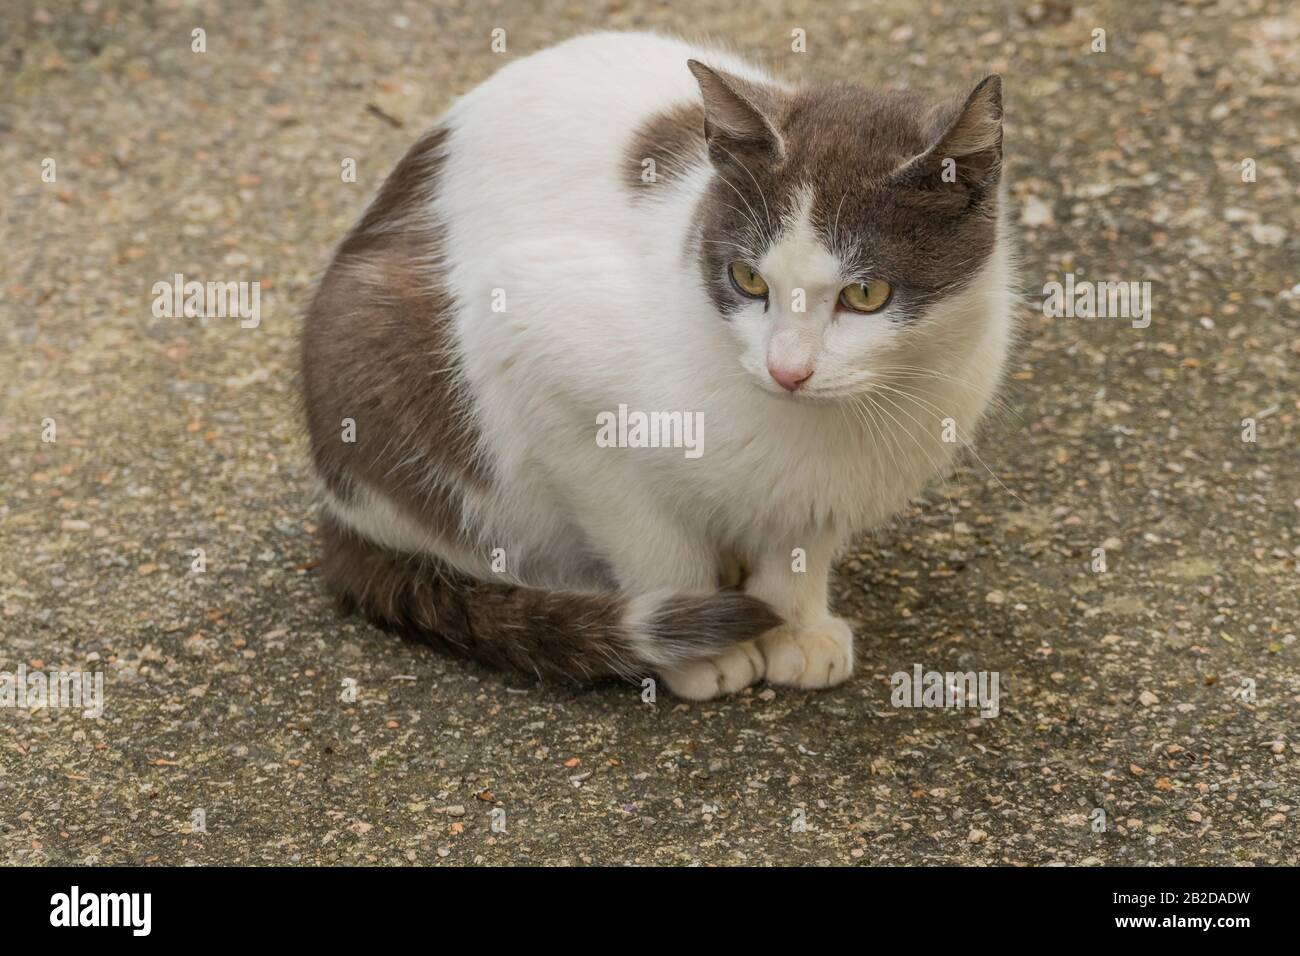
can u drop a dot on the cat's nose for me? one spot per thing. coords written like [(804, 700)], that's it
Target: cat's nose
[(790, 379)]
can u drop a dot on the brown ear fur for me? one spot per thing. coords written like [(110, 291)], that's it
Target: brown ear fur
[(968, 151), (738, 115)]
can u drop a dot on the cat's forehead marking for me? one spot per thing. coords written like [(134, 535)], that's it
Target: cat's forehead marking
[(798, 255)]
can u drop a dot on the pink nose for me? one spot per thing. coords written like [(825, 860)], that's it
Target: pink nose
[(789, 379)]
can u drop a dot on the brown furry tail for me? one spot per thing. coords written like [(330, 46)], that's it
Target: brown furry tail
[(559, 635)]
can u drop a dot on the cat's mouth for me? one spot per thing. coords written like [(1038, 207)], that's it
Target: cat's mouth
[(806, 394), (824, 386)]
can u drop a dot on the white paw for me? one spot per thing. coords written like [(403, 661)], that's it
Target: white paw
[(809, 655), (734, 669)]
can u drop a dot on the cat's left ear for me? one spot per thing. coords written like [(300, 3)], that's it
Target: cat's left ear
[(968, 149)]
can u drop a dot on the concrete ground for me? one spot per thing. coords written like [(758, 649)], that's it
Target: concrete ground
[(1163, 692)]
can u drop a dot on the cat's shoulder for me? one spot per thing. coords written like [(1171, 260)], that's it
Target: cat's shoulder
[(632, 54)]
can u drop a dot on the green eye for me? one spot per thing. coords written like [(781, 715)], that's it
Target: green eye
[(747, 281), (866, 296)]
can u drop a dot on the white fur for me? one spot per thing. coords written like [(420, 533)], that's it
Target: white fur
[(603, 308)]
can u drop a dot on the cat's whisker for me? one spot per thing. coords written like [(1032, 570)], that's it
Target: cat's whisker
[(937, 467), (758, 230), (835, 230), (743, 249), (969, 446), (767, 213), (877, 428), (916, 372), (994, 402), (752, 218), (892, 443)]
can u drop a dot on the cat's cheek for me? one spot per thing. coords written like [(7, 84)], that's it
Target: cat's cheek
[(752, 336), (852, 349)]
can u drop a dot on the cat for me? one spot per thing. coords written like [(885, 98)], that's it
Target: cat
[(819, 275)]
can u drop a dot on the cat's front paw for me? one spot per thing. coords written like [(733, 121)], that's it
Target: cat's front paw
[(734, 669), (809, 655)]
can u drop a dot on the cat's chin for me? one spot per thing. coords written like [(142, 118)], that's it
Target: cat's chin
[(827, 398)]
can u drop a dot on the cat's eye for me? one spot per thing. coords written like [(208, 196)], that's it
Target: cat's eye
[(747, 281), (866, 296)]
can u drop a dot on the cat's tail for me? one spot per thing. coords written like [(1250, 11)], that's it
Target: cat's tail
[(558, 635)]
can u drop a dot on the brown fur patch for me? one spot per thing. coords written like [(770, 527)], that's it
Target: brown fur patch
[(377, 349), (673, 139)]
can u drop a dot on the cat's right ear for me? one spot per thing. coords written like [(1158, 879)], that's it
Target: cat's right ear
[(736, 117)]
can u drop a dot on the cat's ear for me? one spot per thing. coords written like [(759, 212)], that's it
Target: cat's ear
[(737, 116), (968, 148)]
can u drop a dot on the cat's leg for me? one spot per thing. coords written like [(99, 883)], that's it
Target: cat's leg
[(814, 648), (690, 566), (734, 570), (650, 552)]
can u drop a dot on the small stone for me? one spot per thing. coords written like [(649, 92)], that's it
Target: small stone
[(1036, 212), (1267, 234)]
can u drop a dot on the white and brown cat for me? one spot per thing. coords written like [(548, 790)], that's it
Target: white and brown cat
[(817, 274)]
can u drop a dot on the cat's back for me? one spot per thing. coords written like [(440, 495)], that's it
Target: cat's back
[(555, 125)]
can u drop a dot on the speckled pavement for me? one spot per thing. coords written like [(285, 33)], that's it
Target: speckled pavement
[(1148, 712)]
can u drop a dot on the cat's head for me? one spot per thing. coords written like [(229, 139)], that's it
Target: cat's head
[(843, 228)]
